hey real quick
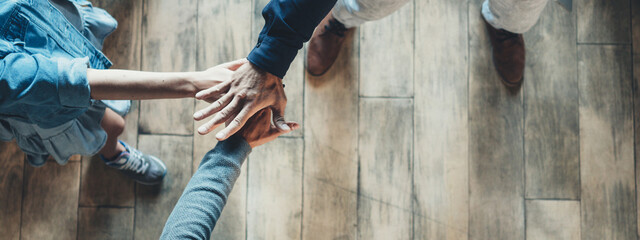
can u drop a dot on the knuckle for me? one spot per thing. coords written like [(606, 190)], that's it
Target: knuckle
[(223, 115), (217, 104), (236, 121), (251, 94), (242, 94)]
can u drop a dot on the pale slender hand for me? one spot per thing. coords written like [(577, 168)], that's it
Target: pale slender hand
[(249, 90), (258, 130), (217, 74)]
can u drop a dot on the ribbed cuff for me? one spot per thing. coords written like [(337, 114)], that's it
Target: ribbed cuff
[(235, 146)]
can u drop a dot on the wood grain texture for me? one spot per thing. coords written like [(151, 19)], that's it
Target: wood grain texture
[(606, 142), (496, 164), (441, 134), (550, 220), (274, 209), (11, 177), (385, 179), (223, 35), (386, 55), (552, 165), (294, 79), (50, 203), (105, 223), (635, 24), (169, 44), (122, 47), (104, 186), (155, 203), (330, 155), (603, 21), (130, 134)]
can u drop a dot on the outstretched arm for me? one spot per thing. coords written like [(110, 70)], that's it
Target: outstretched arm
[(199, 208), (197, 212), (127, 84)]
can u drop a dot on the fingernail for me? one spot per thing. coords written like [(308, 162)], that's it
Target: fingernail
[(202, 130), (285, 127), (197, 115), (219, 135)]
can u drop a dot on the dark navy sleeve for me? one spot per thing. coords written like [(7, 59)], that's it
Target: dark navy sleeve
[(199, 208), (288, 24)]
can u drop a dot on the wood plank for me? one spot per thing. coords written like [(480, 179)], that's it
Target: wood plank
[(386, 55), (154, 203), (50, 203), (385, 181), (496, 174), (11, 177), (549, 220), (169, 44), (441, 137), (635, 9), (603, 21), (130, 134), (274, 209), (104, 186), (223, 35), (552, 149), (330, 155), (122, 47), (294, 80), (105, 223), (606, 142)]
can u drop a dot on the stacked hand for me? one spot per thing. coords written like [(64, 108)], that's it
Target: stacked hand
[(258, 130), (249, 90)]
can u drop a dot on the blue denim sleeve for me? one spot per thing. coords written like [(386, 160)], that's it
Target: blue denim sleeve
[(288, 24), (42, 81), (196, 213)]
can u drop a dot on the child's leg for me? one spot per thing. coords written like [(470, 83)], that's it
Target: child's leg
[(143, 168), (113, 124)]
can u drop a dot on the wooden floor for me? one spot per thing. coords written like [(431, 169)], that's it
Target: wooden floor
[(411, 135)]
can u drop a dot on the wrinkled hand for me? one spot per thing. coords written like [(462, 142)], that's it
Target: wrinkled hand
[(249, 90), (258, 130)]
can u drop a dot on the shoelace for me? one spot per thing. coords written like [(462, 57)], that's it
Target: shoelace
[(135, 162), (335, 27)]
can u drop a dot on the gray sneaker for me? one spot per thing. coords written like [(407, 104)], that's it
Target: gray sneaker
[(144, 169)]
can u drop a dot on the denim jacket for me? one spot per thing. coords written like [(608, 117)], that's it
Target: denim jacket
[(45, 101), (43, 63)]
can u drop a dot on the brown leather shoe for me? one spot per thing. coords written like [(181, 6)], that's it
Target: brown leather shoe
[(325, 44), (508, 55)]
